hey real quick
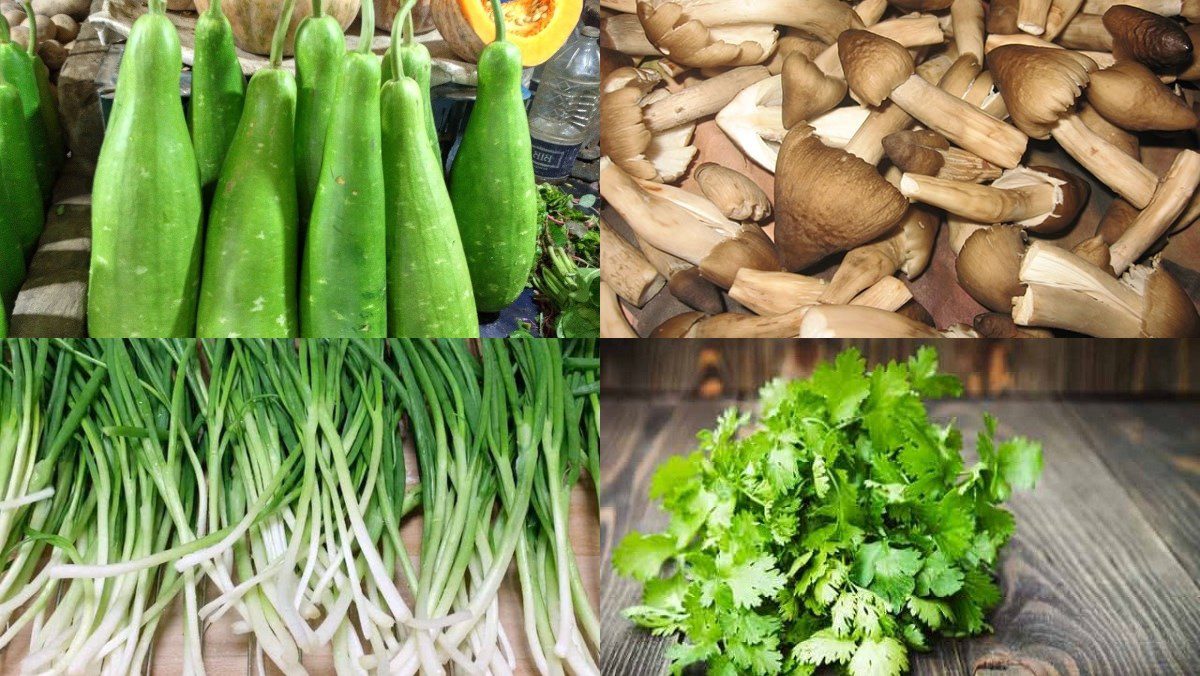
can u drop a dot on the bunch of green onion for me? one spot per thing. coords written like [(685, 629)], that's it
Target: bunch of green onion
[(268, 479)]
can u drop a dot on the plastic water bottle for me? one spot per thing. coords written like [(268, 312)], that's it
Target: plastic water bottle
[(565, 105)]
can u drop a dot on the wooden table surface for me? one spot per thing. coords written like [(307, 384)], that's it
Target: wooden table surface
[(1102, 576)]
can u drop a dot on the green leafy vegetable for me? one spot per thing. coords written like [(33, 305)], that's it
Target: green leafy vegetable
[(841, 528)]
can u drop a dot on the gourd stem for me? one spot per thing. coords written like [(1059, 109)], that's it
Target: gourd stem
[(409, 31), (394, 50), (214, 8), (317, 9), (5, 33), (31, 41), (368, 27), (281, 31), (498, 17), (404, 16), (158, 6)]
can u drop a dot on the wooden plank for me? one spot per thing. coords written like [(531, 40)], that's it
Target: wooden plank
[(1154, 452), (1090, 584)]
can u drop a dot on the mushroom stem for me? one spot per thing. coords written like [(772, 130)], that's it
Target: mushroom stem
[(823, 19), (623, 33), (1031, 15), (613, 323), (966, 17), (1168, 202), (855, 321), (862, 267), (1064, 291), (772, 293), (736, 325), (871, 11), (961, 122), (625, 269), (1062, 12), (1109, 164), (1086, 31), (959, 230), (889, 294), (981, 202), (888, 118), (914, 30), (702, 99), (1162, 7)]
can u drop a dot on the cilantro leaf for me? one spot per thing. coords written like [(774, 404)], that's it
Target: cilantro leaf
[(938, 576), (642, 556), (843, 384), (751, 580), (824, 647), (879, 657)]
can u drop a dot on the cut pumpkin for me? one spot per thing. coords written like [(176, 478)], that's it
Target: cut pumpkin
[(538, 27)]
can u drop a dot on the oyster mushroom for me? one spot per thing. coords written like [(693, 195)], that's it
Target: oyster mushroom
[(625, 269), (1156, 41), (710, 33), (623, 33), (1065, 291), (927, 152), (1086, 31), (613, 323), (1097, 252), (1132, 97), (807, 92), (827, 200), (731, 325), (1177, 189), (1031, 16), (1002, 17), (908, 249), (1001, 325), (854, 321), (774, 293), (914, 30), (625, 137), (1039, 86), (1061, 13), (878, 68), (1123, 140), (867, 142), (684, 281), (739, 198), (687, 226), (988, 266), (1041, 199)]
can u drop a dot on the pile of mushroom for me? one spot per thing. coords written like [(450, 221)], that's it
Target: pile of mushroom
[(861, 129)]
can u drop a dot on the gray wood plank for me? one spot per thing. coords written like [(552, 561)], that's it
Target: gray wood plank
[(1091, 584), (1154, 452)]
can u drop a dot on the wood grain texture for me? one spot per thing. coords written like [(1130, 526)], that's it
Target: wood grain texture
[(736, 368), (1100, 577)]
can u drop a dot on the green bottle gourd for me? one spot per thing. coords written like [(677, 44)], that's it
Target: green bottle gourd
[(249, 284), (320, 48), (343, 277), (429, 285), (146, 226), (417, 64), (218, 94), (48, 102), (20, 202), (491, 181), (17, 65)]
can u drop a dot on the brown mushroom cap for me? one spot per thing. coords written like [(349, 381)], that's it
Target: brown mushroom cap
[(677, 326), (1075, 194), (733, 192), (691, 43), (989, 266), (749, 248), (807, 92), (874, 65), (998, 325), (1124, 141), (916, 150), (1156, 41), (1002, 17), (1169, 312), (1095, 251), (1116, 221), (1131, 96), (1039, 84), (694, 291), (920, 231), (827, 200)]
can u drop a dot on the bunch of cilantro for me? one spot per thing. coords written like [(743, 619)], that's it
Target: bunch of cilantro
[(843, 529)]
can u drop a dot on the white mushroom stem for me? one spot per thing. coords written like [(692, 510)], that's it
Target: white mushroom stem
[(613, 323), (867, 142), (822, 19), (625, 269), (1086, 31), (1064, 291), (960, 122), (1109, 164), (1031, 15), (854, 321), (966, 16), (914, 30), (777, 293), (702, 99), (1025, 196), (1172, 197), (1061, 14), (863, 266), (871, 11), (889, 294), (627, 6)]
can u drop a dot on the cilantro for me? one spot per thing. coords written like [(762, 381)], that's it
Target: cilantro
[(839, 528)]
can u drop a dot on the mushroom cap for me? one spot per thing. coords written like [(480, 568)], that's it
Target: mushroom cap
[(748, 248), (1095, 251), (915, 151), (625, 138), (1039, 84), (999, 325), (827, 200), (874, 65), (1074, 191), (807, 92), (1132, 97), (922, 5), (918, 234), (961, 74), (1117, 219), (733, 192), (989, 266), (1169, 312), (1002, 17), (1125, 141), (693, 290), (691, 43), (1156, 41), (677, 326)]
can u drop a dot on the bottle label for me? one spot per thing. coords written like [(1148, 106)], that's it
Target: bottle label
[(553, 161)]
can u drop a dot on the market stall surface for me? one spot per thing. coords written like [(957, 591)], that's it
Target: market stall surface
[(1102, 576)]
